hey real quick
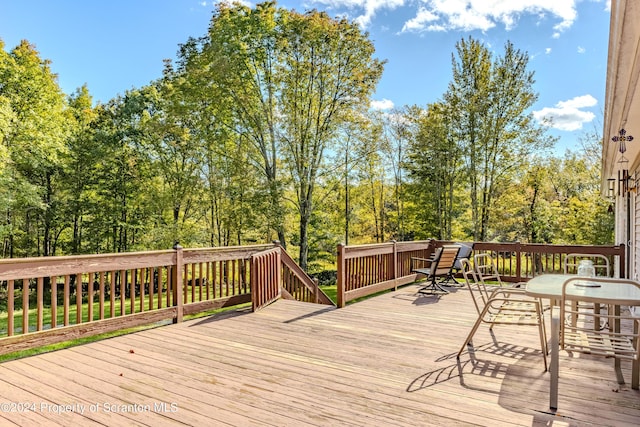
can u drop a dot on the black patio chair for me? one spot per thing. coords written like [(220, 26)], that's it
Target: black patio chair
[(436, 268), (463, 253)]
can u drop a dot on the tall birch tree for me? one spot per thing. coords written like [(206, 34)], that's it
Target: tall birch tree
[(490, 98)]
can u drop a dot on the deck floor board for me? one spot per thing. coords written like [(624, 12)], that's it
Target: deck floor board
[(385, 361)]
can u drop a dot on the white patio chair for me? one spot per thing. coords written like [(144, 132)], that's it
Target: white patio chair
[(600, 263), (601, 267), (502, 307), (487, 271), (621, 340)]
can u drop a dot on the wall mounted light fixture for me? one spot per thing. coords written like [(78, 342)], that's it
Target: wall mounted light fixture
[(623, 170)]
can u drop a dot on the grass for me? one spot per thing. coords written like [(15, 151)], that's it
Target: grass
[(331, 291), (119, 309), (79, 341)]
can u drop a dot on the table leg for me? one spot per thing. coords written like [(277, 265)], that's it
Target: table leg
[(635, 367), (615, 327), (555, 352)]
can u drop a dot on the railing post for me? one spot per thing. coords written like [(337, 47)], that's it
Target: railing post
[(178, 284), (278, 272), (279, 267), (341, 279), (316, 292), (623, 261), (395, 264), (518, 262), (253, 279)]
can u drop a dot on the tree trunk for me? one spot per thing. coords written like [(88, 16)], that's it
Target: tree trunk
[(305, 216)]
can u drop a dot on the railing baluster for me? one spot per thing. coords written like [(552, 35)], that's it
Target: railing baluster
[(67, 299), (101, 297), (123, 290), (54, 301), (10, 307), (151, 274), (78, 298), (112, 294), (25, 306), (141, 284), (40, 299), (90, 297)]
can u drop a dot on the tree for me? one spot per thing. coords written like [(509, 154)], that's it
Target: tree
[(396, 138), (328, 70), (435, 165), (489, 99), (34, 132), (177, 152), (283, 82), (79, 162), (124, 192), (234, 65)]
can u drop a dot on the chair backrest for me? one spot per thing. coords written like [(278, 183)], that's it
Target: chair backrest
[(447, 258), (476, 288), (464, 252), (436, 255), (486, 269), (600, 262)]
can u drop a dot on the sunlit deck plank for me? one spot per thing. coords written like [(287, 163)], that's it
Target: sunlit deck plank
[(387, 361)]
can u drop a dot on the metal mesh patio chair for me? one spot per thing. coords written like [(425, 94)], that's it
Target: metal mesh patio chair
[(502, 307)]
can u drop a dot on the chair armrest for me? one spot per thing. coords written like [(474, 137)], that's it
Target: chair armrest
[(421, 261), (514, 304), (506, 291), (522, 300)]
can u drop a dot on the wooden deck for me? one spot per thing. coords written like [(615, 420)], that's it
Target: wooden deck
[(387, 361)]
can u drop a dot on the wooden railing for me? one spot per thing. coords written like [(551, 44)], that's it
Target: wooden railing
[(265, 269), (278, 276), (298, 285), (51, 299), (519, 262), (366, 269)]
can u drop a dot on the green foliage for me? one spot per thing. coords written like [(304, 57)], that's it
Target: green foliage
[(34, 130), (261, 130)]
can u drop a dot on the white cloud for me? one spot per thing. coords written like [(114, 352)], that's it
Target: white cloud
[(468, 15), (581, 49), (420, 20), (366, 9), (383, 104), (567, 115), (547, 50)]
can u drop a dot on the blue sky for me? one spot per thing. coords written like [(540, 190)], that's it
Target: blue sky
[(120, 44)]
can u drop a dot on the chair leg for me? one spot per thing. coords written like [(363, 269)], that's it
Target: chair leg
[(451, 281), (472, 332), (543, 337), (433, 287)]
